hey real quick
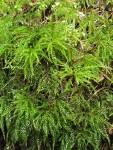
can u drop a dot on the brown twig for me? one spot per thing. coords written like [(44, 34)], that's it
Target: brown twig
[(101, 89)]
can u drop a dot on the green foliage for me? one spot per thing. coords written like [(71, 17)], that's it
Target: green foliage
[(56, 74)]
